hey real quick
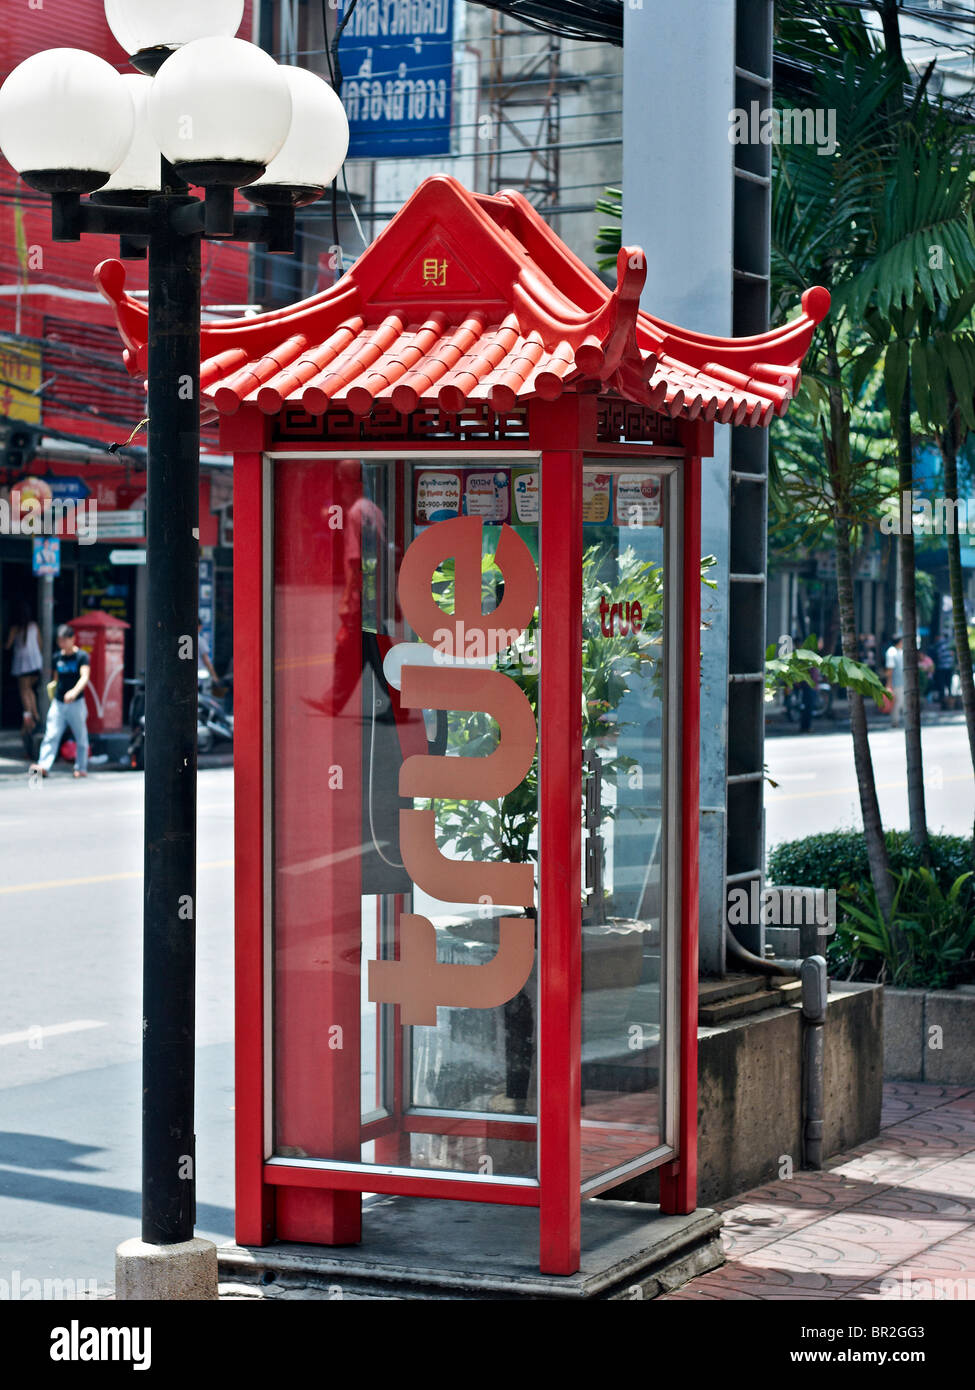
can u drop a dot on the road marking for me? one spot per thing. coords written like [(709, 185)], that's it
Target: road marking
[(843, 791), (96, 878), (51, 1030)]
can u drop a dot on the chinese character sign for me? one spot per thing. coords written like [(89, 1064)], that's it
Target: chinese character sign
[(397, 66)]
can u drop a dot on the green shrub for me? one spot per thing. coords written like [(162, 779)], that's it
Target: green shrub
[(928, 942), (838, 859)]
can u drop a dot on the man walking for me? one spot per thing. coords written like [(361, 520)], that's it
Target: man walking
[(68, 710), (943, 655), (894, 662)]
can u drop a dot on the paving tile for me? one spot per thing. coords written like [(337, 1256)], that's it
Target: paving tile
[(944, 1272), (922, 1093), (889, 1219), (753, 1225), (758, 1281), (955, 1126), (964, 1104), (854, 1243), (896, 1157), (810, 1191)]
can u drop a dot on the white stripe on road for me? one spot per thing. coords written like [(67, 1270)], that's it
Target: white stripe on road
[(51, 1030)]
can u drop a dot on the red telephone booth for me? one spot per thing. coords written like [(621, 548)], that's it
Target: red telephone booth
[(103, 638), (467, 616)]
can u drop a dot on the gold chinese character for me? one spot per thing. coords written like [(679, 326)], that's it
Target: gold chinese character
[(435, 272)]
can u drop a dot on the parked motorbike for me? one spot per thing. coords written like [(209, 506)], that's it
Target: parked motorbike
[(212, 721), (135, 752), (822, 702), (214, 724)]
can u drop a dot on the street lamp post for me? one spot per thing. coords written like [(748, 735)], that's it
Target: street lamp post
[(218, 113)]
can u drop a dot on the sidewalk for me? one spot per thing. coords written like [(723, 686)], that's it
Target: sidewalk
[(777, 721), (892, 1219), (13, 762)]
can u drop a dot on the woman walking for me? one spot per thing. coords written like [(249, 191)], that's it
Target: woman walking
[(68, 710), (25, 639)]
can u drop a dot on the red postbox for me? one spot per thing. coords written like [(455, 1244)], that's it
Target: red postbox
[(467, 659), (103, 638)]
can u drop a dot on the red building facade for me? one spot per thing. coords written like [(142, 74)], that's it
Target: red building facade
[(61, 377)]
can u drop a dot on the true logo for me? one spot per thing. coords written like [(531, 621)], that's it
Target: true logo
[(417, 981)]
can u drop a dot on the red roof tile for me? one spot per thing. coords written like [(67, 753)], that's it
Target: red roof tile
[(471, 298)]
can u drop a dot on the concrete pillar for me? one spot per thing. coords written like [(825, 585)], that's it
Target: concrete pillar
[(678, 202)]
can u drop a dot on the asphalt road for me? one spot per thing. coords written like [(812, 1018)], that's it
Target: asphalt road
[(817, 785), (70, 1003), (70, 1014)]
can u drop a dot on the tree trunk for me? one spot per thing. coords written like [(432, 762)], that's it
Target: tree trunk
[(890, 20), (836, 448), (949, 456), (912, 690)]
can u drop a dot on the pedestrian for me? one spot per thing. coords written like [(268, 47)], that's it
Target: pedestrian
[(68, 709), (26, 664), (894, 662), (204, 653), (943, 655)]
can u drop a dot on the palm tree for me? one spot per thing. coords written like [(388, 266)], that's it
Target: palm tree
[(915, 298), (821, 233), (896, 232)]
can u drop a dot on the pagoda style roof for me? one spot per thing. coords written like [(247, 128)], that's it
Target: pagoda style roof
[(465, 298)]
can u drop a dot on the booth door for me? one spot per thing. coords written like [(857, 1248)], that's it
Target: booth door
[(630, 917), (405, 810)]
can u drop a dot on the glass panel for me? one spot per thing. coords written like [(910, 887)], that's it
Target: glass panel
[(405, 777), (625, 592)]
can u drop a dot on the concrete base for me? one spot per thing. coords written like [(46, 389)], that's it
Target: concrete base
[(750, 1093), (930, 1035), (426, 1249), (187, 1270)]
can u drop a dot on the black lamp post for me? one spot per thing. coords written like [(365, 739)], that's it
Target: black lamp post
[(217, 113)]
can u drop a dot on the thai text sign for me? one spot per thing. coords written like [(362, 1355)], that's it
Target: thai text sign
[(397, 66)]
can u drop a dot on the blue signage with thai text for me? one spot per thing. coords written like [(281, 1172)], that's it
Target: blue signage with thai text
[(397, 70)]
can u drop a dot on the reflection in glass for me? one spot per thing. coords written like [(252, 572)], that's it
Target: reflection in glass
[(458, 1094), (624, 751)]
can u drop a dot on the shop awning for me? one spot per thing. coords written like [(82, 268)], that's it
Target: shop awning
[(465, 298)]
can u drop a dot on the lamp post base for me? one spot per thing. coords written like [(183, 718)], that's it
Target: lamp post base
[(184, 1271)]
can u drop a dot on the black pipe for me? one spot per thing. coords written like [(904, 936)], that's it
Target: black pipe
[(169, 924)]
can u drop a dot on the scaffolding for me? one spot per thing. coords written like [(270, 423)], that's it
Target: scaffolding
[(523, 115)]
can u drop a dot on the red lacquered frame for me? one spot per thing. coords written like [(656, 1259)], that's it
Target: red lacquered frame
[(571, 426), (468, 324)]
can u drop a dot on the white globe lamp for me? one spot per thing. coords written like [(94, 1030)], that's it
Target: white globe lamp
[(315, 148), (220, 110), (66, 120), (150, 30), (138, 175)]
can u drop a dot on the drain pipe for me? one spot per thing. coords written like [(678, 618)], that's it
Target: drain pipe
[(757, 963), (811, 970), (813, 982)]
